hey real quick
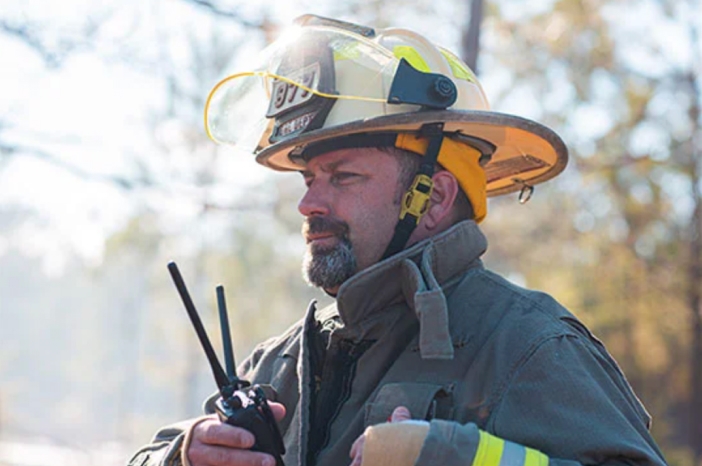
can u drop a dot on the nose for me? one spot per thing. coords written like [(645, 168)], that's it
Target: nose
[(315, 201)]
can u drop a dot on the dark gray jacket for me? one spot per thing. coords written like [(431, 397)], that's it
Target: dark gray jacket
[(462, 347)]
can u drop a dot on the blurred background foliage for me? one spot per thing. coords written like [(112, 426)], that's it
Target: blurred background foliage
[(96, 351)]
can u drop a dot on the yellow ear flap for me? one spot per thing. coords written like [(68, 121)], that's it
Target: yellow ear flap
[(462, 161)]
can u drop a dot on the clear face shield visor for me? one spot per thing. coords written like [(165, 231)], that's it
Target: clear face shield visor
[(318, 77), (293, 89)]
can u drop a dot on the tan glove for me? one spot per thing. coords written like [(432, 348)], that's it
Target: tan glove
[(394, 444)]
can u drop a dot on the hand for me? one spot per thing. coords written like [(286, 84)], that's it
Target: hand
[(214, 443), (398, 415)]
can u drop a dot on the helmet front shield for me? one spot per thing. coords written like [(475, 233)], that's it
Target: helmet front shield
[(295, 86)]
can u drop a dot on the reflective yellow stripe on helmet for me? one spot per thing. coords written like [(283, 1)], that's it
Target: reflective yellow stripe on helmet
[(493, 451), (412, 56), (459, 69), (347, 52)]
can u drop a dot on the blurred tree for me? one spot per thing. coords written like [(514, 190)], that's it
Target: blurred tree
[(625, 96), (470, 40), (53, 48)]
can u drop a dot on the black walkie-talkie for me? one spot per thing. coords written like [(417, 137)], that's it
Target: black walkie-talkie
[(240, 404)]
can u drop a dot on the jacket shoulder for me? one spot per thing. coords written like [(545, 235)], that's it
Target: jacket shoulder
[(484, 301), (265, 353), (509, 324), (532, 352)]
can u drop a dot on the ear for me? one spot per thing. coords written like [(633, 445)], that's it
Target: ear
[(439, 216)]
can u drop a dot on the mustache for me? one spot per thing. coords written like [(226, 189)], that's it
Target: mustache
[(315, 225)]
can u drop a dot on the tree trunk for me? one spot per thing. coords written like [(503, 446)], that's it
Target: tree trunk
[(694, 293), (695, 303), (470, 42)]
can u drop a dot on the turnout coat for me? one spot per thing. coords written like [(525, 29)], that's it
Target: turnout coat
[(431, 329)]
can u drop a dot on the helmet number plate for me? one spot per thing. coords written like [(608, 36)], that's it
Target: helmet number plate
[(288, 95)]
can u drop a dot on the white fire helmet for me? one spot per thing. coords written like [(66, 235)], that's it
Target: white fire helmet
[(326, 81)]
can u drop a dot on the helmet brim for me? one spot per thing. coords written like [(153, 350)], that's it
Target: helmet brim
[(527, 153)]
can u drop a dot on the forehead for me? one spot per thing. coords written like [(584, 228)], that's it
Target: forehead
[(370, 158)]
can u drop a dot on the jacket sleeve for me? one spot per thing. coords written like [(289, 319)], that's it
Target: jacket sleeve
[(165, 448), (567, 403)]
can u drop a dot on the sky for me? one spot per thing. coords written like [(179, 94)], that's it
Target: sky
[(92, 113), (96, 113)]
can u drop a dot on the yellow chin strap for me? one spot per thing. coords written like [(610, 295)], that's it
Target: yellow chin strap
[(462, 160)]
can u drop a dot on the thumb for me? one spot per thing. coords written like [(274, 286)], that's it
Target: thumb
[(400, 414), (277, 409)]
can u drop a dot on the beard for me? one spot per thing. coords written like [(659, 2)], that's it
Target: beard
[(328, 267)]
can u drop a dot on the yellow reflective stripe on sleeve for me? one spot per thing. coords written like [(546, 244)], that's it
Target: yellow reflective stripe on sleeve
[(512, 454), (489, 450), (412, 56), (493, 451), (535, 458)]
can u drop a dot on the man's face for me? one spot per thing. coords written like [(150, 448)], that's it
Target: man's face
[(351, 207)]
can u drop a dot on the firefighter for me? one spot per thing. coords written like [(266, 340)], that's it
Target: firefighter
[(425, 357)]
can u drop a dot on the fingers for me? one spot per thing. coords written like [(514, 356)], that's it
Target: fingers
[(357, 460), (357, 446), (277, 409), (400, 414), (213, 443), (357, 451), (216, 444), (214, 432), (209, 455)]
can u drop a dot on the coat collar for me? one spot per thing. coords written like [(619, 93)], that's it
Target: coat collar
[(412, 282)]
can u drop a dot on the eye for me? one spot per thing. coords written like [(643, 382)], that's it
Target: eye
[(308, 178), (343, 177)]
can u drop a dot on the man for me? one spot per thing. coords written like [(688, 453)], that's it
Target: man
[(426, 357)]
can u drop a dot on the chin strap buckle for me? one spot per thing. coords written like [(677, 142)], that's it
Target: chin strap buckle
[(415, 202)]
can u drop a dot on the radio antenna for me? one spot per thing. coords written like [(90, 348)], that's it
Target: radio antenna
[(219, 374), (226, 336)]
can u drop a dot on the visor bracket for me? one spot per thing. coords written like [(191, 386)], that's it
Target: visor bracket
[(430, 90)]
